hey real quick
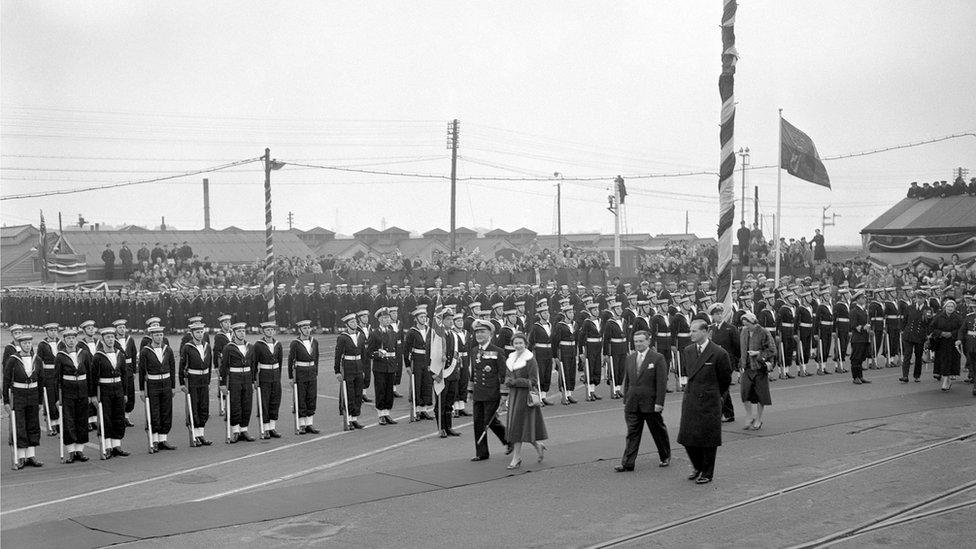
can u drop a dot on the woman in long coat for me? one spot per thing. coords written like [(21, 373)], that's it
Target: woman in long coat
[(945, 327), (525, 423), (758, 348)]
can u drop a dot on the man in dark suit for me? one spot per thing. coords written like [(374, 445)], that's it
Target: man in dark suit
[(726, 336), (487, 377), (645, 382), (709, 375)]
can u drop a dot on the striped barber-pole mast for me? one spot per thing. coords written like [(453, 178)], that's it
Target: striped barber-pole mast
[(269, 281), (726, 188)]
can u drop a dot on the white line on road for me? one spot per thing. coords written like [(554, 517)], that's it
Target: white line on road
[(170, 475), (301, 443), (325, 466), (370, 453)]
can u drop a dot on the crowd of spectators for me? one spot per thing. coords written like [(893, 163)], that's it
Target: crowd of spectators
[(195, 273), (942, 189), (681, 260), (951, 274), (755, 250), (474, 260), (166, 272)]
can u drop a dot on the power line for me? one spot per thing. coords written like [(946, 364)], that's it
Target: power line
[(876, 151), (130, 183)]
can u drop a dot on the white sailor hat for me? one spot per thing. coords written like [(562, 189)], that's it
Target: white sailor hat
[(223, 318), (381, 311), (69, 332), (349, 318), (153, 320), (364, 312), (268, 325), (51, 326), (193, 319), (458, 316), (86, 324), (107, 331), (119, 322), (542, 303), (303, 323), (474, 304), (26, 336), (197, 326), (509, 312), (715, 307), (238, 326)]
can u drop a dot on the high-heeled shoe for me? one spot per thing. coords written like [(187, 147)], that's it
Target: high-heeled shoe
[(515, 465), (541, 448), (757, 426)]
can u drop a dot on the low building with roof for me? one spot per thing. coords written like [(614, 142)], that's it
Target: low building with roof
[(926, 230)]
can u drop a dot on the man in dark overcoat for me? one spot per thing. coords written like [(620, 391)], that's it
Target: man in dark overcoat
[(709, 374)]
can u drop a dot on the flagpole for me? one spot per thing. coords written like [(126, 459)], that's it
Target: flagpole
[(779, 196)]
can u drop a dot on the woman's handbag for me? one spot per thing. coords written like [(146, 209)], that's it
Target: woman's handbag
[(534, 398)]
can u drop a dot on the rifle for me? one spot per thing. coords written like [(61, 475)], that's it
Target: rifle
[(101, 426), (47, 413), (260, 412), (413, 398), (225, 401), (13, 430), (344, 395), (149, 433), (562, 375), (294, 398), (189, 419), (61, 430)]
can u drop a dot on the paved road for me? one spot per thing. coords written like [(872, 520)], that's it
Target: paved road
[(817, 426)]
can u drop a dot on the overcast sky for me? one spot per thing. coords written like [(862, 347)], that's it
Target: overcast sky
[(100, 92)]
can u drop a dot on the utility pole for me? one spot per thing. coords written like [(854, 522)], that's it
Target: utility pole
[(452, 144), (559, 211), (827, 220), (206, 203), (686, 222), (744, 154), (755, 205), (291, 219), (615, 210)]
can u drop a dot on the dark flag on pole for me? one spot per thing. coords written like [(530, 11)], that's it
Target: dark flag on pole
[(800, 158)]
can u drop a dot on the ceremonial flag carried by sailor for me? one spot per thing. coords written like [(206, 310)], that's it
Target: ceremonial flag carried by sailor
[(438, 351)]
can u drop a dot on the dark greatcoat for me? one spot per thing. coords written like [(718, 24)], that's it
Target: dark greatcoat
[(709, 375)]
